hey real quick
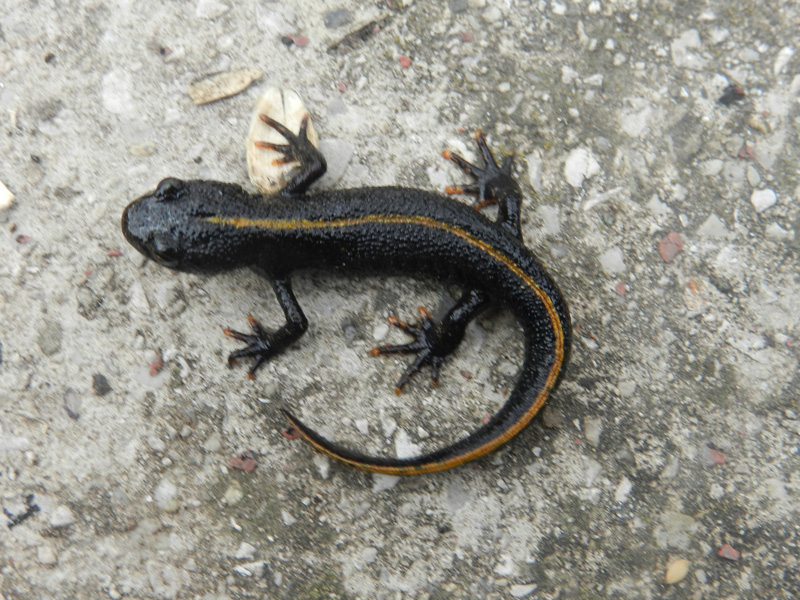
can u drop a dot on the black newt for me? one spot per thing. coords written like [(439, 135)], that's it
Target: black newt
[(209, 226)]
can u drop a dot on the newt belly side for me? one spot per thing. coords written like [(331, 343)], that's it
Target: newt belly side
[(208, 227)]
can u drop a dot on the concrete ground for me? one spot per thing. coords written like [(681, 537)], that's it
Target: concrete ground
[(662, 140)]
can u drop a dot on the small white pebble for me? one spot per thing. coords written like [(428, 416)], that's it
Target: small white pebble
[(521, 591), (763, 199), (492, 14), (612, 261), (62, 517), (369, 555), (166, 496), (323, 465), (505, 567), (46, 555), (579, 166), (623, 489), (245, 551)]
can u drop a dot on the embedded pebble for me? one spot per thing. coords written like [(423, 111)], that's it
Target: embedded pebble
[(611, 261), (323, 465), (223, 85), (49, 338), (550, 216), (381, 482), (763, 199), (166, 496), (713, 227), (677, 571), (165, 580), (46, 555), (712, 166), (522, 591), (404, 447), (492, 14), (233, 494), (213, 443), (623, 489), (62, 517), (245, 551), (535, 164), (657, 207), (505, 567), (210, 9), (580, 165), (782, 59), (6, 197), (728, 552), (753, 177), (670, 246), (288, 518), (252, 569), (681, 49), (592, 428), (369, 555), (285, 106), (337, 18), (116, 92), (778, 233)]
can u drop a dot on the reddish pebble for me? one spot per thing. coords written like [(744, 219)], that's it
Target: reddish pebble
[(729, 552), (156, 366), (342, 86), (404, 61), (747, 151), (466, 36), (300, 40), (621, 289), (715, 457), (246, 461), (670, 246), (114, 253)]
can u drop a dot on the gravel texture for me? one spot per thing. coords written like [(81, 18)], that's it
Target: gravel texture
[(662, 140)]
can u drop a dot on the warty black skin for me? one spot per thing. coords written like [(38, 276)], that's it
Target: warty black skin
[(208, 227)]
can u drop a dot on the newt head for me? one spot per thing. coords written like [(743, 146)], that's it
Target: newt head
[(171, 225)]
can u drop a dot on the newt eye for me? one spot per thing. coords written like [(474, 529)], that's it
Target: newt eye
[(164, 252), (168, 189)]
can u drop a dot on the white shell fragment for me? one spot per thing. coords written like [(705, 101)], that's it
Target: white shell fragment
[(223, 85), (264, 165), (6, 197)]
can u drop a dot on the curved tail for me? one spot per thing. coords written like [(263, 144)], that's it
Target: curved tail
[(534, 386)]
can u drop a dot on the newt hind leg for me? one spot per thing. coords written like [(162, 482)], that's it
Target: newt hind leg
[(434, 341), (494, 184)]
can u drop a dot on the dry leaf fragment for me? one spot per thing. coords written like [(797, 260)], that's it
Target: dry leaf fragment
[(223, 85)]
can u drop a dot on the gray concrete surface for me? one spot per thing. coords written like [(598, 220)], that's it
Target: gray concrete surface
[(676, 430)]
